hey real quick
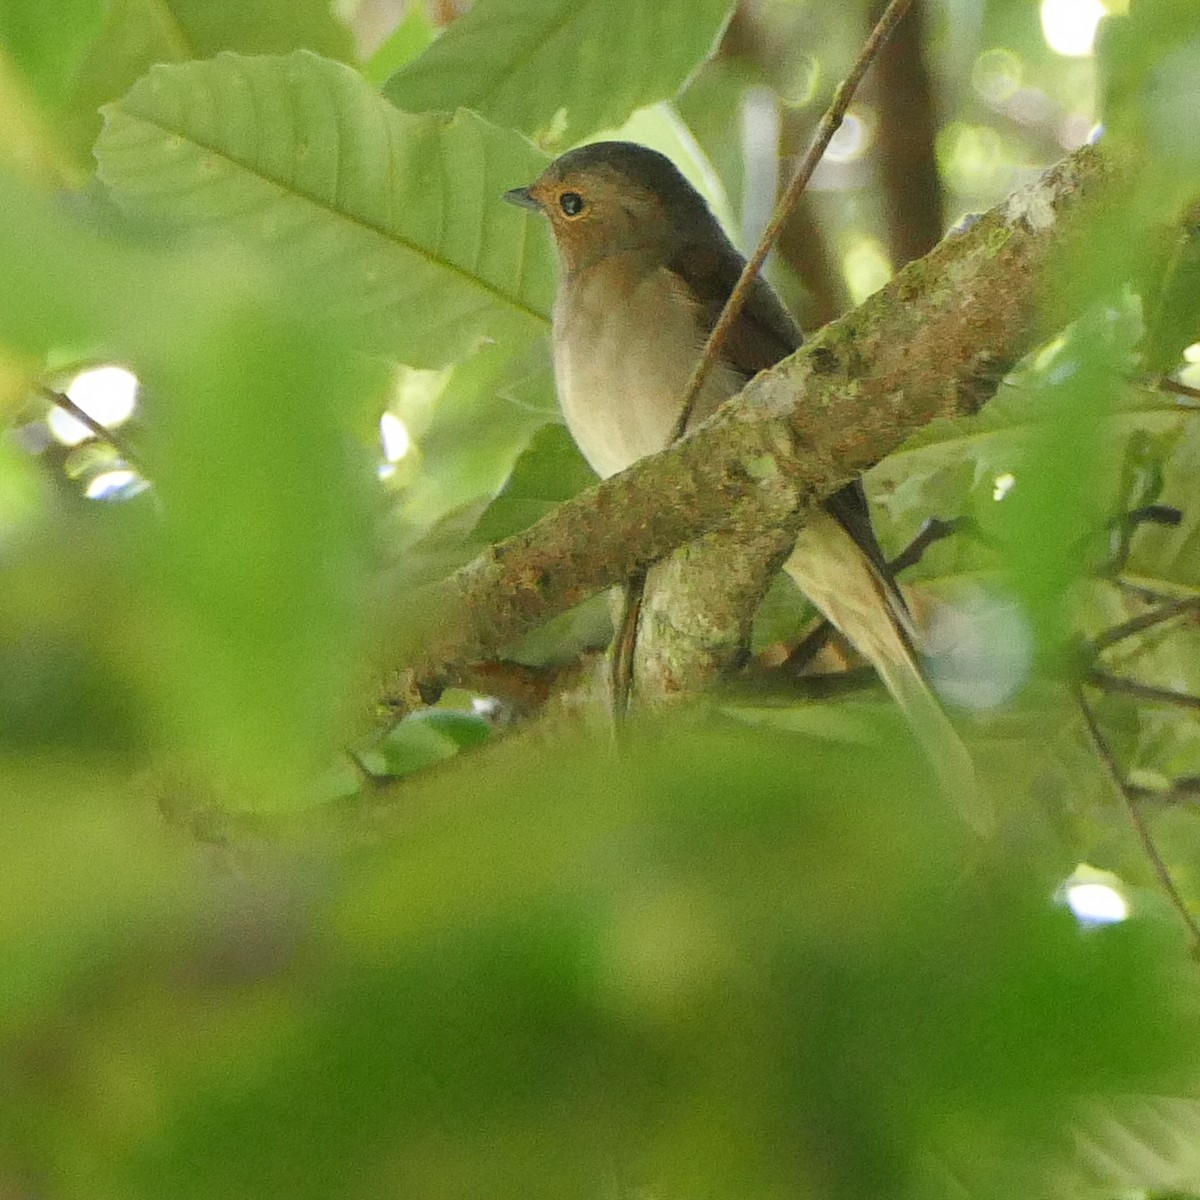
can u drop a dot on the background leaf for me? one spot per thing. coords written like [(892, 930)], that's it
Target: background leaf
[(561, 69), (548, 471), (592, 975), (395, 220), (139, 33), (48, 41)]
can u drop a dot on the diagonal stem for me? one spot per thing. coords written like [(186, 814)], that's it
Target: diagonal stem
[(829, 125), (1138, 821), (1104, 682), (1147, 620), (63, 401), (1176, 388)]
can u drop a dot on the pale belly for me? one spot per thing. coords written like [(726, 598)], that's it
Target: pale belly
[(622, 364)]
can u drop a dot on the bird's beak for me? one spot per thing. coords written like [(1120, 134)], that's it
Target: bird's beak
[(523, 197)]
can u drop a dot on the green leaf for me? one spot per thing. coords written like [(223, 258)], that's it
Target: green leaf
[(510, 396), (237, 628), (252, 587), (394, 222), (410, 38), (549, 471), (139, 33), (29, 143), (65, 286), (1173, 307), (428, 736), (48, 41), (1144, 60), (708, 966), (1139, 1142), (561, 69), (951, 468)]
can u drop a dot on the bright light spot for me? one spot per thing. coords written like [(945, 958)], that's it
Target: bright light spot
[(1048, 353), (760, 159), (66, 429), (1096, 903), (1190, 374), (393, 434), (487, 707), (118, 484), (106, 394), (975, 157), (1030, 106), (996, 75), (867, 268), (1003, 484), (979, 651), (805, 81), (1075, 130), (1069, 26), (851, 139)]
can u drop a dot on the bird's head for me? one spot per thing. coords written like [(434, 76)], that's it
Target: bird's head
[(613, 197)]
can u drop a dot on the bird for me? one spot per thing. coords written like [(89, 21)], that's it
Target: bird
[(646, 269)]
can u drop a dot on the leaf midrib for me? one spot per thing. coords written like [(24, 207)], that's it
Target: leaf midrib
[(396, 239)]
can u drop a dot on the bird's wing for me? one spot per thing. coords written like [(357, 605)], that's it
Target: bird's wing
[(764, 331), (763, 334), (837, 561)]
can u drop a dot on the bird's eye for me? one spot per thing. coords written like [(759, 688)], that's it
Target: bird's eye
[(571, 203)]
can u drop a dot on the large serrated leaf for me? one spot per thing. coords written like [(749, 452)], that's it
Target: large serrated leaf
[(561, 68), (394, 221), (139, 33)]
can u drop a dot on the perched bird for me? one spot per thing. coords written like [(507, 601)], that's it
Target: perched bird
[(646, 270)]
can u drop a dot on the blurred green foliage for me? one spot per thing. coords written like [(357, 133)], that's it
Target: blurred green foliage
[(750, 955)]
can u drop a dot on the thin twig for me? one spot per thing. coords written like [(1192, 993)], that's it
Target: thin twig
[(1140, 827), (63, 401), (1141, 691), (809, 646), (1165, 515), (934, 530), (624, 645), (1141, 592), (1178, 389), (1148, 620), (829, 125), (1122, 529), (1185, 791)]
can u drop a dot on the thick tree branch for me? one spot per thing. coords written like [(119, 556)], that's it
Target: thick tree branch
[(933, 343)]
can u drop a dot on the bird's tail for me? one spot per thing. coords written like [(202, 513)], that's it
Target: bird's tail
[(838, 577)]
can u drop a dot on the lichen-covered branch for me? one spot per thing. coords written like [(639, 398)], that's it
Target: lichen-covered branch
[(933, 343)]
